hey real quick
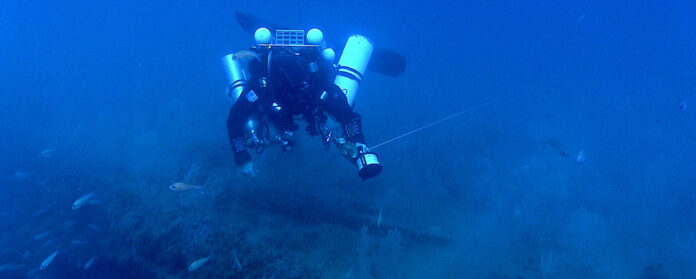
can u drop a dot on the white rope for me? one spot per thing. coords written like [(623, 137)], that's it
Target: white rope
[(443, 119)]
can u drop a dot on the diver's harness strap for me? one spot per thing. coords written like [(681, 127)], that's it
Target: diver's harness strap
[(297, 88), (235, 85), (349, 72)]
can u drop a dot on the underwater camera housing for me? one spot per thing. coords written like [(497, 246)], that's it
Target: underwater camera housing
[(368, 164)]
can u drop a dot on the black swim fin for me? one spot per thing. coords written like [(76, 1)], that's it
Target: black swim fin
[(383, 61), (250, 23), (387, 62)]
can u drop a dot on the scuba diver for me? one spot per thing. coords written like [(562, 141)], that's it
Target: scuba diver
[(290, 75)]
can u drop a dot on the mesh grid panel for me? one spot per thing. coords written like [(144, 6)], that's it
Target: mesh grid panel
[(290, 37)]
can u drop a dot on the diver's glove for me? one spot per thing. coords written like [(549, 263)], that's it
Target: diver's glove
[(248, 169), (243, 161), (241, 157), (287, 140)]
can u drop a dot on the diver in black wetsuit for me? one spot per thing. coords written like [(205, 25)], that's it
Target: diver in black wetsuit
[(286, 81)]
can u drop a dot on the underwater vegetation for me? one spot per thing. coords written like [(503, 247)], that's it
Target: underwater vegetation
[(120, 223), (143, 229)]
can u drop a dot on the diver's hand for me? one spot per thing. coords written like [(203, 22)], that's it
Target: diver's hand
[(361, 147), (248, 169)]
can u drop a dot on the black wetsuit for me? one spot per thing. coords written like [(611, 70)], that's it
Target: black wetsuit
[(296, 81)]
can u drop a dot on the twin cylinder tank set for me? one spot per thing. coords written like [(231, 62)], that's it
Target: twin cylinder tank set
[(350, 70)]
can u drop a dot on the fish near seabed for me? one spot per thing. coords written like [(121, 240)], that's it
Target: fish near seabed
[(47, 152), (183, 186), (198, 263), (47, 243), (41, 236), (89, 263), (236, 260), (94, 228), (379, 217), (10, 267), (21, 175), (579, 19), (82, 201), (558, 147), (78, 243), (46, 262)]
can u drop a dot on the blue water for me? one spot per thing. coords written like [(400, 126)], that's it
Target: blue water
[(125, 98)]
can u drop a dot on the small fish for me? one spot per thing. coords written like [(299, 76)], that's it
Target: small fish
[(94, 227), (379, 217), (198, 263), (579, 19), (581, 157), (47, 152), (246, 54), (236, 261), (40, 212), (82, 201), (47, 243), (78, 243), (10, 267), (183, 186), (31, 273), (46, 262), (558, 147), (349, 274), (682, 105), (41, 235), (26, 255), (43, 181), (89, 263), (21, 175)]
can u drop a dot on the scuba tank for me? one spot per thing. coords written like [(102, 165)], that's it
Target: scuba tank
[(352, 65), (236, 77)]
